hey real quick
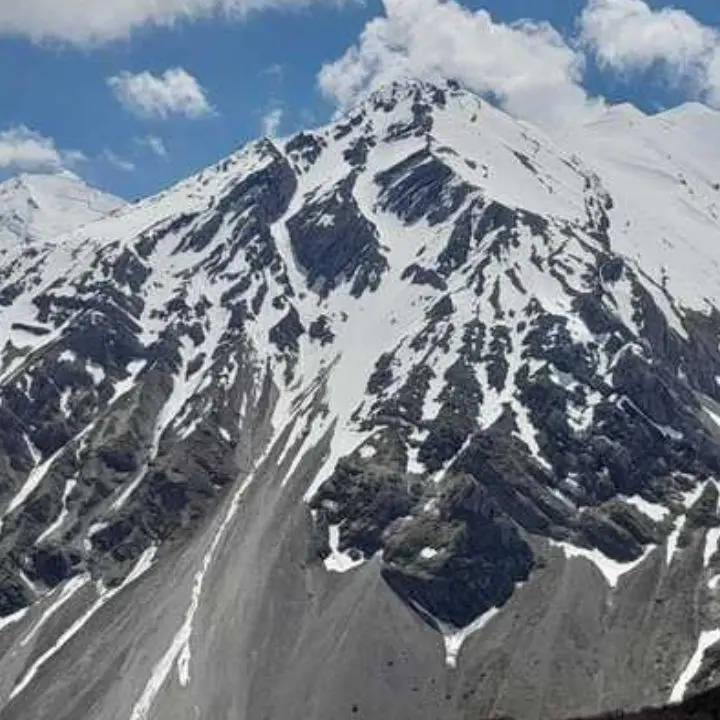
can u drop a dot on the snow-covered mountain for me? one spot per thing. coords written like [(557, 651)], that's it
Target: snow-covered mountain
[(37, 207), (414, 416)]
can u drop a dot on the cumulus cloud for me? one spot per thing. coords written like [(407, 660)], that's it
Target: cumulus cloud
[(629, 35), (94, 22), (175, 92), (527, 66), (24, 149)]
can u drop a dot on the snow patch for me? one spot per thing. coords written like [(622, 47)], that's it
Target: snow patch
[(560, 495), (611, 570), (65, 402), (672, 541), (713, 416), (414, 466), (711, 545), (12, 619), (454, 639), (143, 564), (339, 561), (654, 511), (93, 530), (29, 583), (692, 496), (123, 387), (67, 356), (707, 640), (55, 526), (96, 372), (441, 474), (367, 452), (33, 481)]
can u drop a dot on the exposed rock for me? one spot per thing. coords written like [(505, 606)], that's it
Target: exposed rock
[(334, 242)]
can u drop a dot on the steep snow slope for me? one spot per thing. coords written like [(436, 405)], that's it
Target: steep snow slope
[(662, 170), (414, 415)]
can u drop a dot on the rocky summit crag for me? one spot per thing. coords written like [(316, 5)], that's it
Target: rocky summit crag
[(413, 416)]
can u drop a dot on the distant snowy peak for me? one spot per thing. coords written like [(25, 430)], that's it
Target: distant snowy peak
[(43, 206), (692, 114)]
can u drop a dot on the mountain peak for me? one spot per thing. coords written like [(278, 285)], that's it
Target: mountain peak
[(31, 181), (40, 206), (427, 340), (412, 89)]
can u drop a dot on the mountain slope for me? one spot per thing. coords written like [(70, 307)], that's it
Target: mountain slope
[(41, 207), (415, 415), (704, 705)]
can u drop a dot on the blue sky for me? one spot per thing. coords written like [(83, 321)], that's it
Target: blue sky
[(265, 65)]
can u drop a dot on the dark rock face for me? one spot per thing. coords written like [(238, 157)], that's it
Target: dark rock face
[(641, 425), (421, 123), (482, 558), (267, 193), (130, 271), (335, 243), (382, 376), (455, 422), (305, 149), (457, 250), (321, 331), (286, 333), (375, 495), (421, 186), (419, 275), (519, 485), (253, 204), (357, 154), (119, 461), (53, 566)]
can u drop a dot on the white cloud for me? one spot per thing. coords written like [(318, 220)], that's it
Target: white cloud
[(118, 162), (271, 122), (175, 92), (527, 66), (93, 22), (628, 35), (25, 149), (154, 144), (713, 79)]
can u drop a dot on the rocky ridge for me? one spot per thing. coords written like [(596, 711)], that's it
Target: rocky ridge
[(423, 373)]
